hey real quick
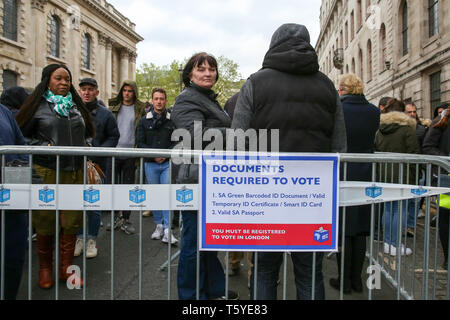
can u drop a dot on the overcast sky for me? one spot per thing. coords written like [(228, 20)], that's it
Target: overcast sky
[(238, 29)]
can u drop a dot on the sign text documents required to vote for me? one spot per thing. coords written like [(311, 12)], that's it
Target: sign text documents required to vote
[(287, 202)]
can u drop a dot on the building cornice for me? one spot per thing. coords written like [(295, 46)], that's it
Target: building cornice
[(400, 76), (113, 16), (327, 21), (38, 4)]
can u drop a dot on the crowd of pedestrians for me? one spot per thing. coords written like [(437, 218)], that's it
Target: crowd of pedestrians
[(288, 93)]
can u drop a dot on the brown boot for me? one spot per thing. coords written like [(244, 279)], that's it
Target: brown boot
[(66, 250), (45, 253)]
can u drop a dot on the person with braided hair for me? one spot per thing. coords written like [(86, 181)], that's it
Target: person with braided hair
[(55, 115)]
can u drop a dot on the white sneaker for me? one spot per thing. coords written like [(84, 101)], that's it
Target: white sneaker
[(392, 250), (147, 213), (78, 247), (91, 249), (165, 239), (421, 214), (158, 233)]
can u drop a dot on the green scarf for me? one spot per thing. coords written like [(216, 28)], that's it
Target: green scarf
[(62, 104)]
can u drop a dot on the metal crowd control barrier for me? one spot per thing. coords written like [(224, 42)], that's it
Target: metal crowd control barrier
[(410, 276)]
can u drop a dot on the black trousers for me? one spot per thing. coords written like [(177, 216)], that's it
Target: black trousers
[(444, 215), (124, 173), (355, 251), (16, 232)]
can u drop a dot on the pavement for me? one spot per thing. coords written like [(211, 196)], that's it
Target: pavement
[(100, 285)]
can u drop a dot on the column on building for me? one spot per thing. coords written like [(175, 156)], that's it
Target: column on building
[(132, 66), (39, 49), (108, 63), (124, 56), (101, 70)]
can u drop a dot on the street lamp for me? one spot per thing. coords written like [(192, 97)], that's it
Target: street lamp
[(388, 64)]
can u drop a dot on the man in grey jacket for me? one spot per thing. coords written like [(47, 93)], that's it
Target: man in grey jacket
[(291, 95)]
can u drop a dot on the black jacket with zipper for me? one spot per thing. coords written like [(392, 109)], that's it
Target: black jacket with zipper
[(154, 131), (106, 130), (47, 128)]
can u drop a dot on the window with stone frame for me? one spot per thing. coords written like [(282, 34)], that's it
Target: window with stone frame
[(346, 34), (369, 60), (433, 17), (359, 14), (352, 26), (405, 28), (9, 79), (86, 52), (55, 27), (10, 10), (383, 46), (361, 66), (435, 90)]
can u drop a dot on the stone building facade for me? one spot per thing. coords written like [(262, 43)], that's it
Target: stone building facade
[(89, 36), (400, 48)]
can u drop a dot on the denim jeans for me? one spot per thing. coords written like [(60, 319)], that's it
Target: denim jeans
[(158, 173), (93, 225), (390, 227), (212, 276), (412, 212), (268, 272)]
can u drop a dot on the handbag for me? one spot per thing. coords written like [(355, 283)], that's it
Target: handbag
[(94, 173)]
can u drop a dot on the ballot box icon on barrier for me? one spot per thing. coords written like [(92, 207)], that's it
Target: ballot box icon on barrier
[(46, 195), (374, 191), (137, 195), (5, 194), (185, 195), (91, 195), (321, 235), (419, 191)]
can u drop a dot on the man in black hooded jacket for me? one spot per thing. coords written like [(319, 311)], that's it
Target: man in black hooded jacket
[(290, 94)]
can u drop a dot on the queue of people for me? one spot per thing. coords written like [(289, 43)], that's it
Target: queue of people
[(289, 93)]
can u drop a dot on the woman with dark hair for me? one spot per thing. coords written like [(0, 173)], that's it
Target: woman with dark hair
[(437, 142), (54, 115), (438, 110), (397, 133), (198, 103)]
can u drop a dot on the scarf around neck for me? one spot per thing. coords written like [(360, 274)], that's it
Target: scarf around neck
[(63, 104)]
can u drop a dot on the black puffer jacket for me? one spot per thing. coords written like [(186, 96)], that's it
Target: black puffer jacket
[(437, 141), (47, 128), (291, 95)]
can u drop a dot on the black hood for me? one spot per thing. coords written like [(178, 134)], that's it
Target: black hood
[(14, 97), (291, 52)]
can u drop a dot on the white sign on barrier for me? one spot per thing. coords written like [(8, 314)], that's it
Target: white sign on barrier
[(252, 203), (99, 197), (355, 193)]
